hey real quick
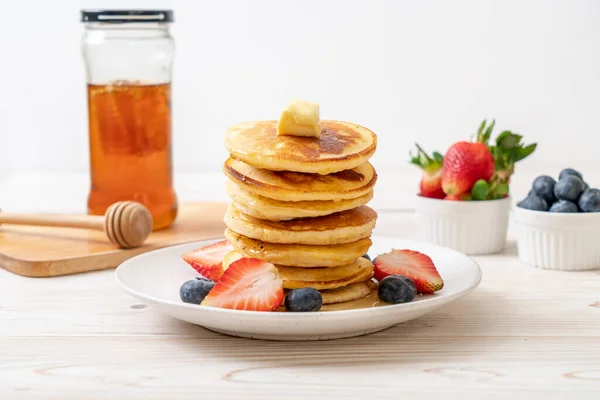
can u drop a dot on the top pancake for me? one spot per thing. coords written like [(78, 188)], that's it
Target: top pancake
[(342, 146)]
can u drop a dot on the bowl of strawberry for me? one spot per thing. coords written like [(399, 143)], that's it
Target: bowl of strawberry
[(464, 195), (558, 223)]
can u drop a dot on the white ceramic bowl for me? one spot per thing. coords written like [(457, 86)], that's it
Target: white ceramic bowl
[(470, 227), (566, 241)]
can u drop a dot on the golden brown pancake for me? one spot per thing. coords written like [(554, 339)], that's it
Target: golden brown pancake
[(334, 299), (277, 210), (318, 278), (365, 273), (343, 227), (341, 146), (295, 186), (347, 293), (299, 255)]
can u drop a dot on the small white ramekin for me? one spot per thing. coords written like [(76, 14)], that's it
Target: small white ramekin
[(559, 241), (470, 227)]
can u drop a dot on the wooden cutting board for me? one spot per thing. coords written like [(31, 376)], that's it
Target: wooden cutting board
[(47, 251)]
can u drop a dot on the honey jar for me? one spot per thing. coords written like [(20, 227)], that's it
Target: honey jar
[(128, 56)]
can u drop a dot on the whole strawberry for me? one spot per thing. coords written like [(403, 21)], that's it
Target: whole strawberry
[(431, 179), (464, 164), (467, 162), (494, 176)]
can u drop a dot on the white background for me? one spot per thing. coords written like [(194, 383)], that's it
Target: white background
[(426, 71)]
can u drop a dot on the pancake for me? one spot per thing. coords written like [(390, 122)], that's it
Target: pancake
[(344, 227), (317, 278), (365, 273), (276, 210), (341, 146), (333, 299), (295, 186), (347, 293), (299, 255)]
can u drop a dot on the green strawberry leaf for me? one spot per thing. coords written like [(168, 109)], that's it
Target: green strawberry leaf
[(424, 161), (524, 152), (502, 189), (507, 151), (501, 136), (498, 188), (500, 161), (438, 157), (480, 190), (508, 140), (416, 160), (488, 132), (481, 127), (484, 136)]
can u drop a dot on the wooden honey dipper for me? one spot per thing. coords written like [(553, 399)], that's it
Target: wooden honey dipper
[(126, 223)]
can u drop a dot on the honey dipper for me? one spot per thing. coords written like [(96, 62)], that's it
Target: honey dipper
[(126, 223)]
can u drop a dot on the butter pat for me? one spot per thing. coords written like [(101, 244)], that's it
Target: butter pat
[(300, 118)]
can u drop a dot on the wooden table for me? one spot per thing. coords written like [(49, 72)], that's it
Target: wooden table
[(524, 333)]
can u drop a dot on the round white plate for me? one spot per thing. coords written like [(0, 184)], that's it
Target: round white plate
[(155, 278)]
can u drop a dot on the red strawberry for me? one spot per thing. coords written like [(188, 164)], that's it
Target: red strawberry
[(431, 185), (452, 197), (431, 179), (464, 164), (462, 197), (208, 260), (247, 284), (417, 266)]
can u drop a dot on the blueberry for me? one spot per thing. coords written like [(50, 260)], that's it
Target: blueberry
[(534, 202), (569, 171), (590, 201), (564, 206), (304, 299), (396, 289), (543, 186), (195, 290), (367, 257), (585, 187), (568, 188)]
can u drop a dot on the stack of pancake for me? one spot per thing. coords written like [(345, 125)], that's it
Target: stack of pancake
[(300, 203)]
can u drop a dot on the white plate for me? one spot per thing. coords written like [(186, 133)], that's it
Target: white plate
[(155, 278)]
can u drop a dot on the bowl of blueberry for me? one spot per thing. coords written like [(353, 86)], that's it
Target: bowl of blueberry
[(558, 223)]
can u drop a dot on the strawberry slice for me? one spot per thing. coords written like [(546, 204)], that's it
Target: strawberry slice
[(208, 260), (417, 266), (247, 284)]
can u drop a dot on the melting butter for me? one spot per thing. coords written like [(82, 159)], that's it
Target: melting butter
[(300, 118)]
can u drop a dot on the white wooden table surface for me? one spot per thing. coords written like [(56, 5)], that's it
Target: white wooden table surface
[(524, 333)]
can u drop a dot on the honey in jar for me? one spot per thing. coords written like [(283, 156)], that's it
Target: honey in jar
[(128, 56), (130, 148)]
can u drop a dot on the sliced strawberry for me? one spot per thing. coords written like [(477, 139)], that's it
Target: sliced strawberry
[(208, 260), (247, 284), (417, 266)]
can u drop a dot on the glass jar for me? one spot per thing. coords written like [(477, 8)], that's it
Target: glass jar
[(128, 56)]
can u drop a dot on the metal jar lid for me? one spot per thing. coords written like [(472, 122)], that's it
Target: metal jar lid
[(127, 16)]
